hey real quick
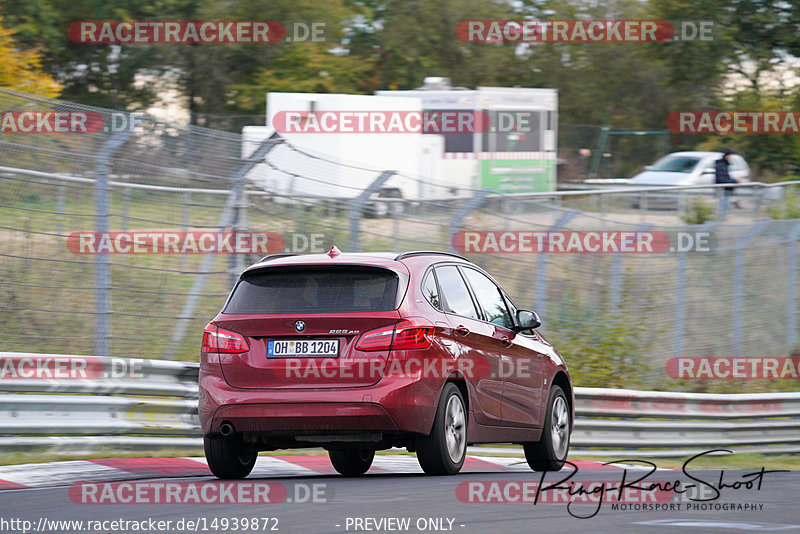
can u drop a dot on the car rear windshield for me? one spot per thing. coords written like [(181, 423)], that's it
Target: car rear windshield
[(676, 164), (315, 290)]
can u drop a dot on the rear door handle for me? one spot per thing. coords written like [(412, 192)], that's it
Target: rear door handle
[(462, 330)]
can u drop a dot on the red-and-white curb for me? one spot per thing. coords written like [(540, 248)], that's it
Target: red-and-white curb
[(116, 469)]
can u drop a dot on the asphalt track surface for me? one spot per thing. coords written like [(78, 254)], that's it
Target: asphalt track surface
[(395, 489)]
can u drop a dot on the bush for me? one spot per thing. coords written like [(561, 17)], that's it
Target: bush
[(604, 348), (698, 212), (789, 208)]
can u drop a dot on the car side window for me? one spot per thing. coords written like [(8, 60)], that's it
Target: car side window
[(456, 295), (431, 291), (511, 307), (489, 298)]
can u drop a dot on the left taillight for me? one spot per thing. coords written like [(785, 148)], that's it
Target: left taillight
[(216, 339)]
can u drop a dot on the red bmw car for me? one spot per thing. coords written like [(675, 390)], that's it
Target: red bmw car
[(359, 352)]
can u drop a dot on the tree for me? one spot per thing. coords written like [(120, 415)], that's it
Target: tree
[(306, 68), (417, 38), (98, 74), (754, 41), (227, 78), (22, 69)]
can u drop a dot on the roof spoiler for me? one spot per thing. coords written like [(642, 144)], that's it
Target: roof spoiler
[(411, 254), (271, 257)]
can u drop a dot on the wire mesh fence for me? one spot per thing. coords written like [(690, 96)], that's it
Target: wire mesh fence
[(719, 288)]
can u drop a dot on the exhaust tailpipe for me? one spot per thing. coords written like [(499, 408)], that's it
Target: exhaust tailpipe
[(226, 429)]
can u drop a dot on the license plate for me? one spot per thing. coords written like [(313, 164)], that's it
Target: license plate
[(284, 348)]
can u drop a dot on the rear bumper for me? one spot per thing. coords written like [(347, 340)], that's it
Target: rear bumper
[(317, 416), (397, 404)]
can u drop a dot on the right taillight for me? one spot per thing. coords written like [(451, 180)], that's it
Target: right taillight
[(412, 334), (216, 339), (408, 334)]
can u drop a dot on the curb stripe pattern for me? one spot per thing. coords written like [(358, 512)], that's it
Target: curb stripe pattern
[(116, 469)]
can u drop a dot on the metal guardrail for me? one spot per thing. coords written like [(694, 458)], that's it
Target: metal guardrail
[(654, 423), (615, 186), (566, 189), (159, 411)]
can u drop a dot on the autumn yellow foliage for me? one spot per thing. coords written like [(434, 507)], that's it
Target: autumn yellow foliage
[(22, 69)]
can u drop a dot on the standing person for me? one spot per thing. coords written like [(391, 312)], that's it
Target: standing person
[(722, 176)]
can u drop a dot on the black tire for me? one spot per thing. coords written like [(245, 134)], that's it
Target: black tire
[(444, 450), (227, 457), (550, 452), (351, 463)]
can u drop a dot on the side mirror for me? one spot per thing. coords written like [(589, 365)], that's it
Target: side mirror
[(527, 320), (648, 167), (709, 170)]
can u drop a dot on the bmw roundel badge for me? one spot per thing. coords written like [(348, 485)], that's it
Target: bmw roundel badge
[(300, 326)]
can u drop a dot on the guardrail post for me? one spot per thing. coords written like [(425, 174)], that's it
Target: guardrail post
[(185, 221), (643, 206), (602, 139), (680, 296), (356, 208), (395, 232), (126, 199), (616, 275), (616, 282), (102, 295), (541, 275), (758, 193), (791, 290), (240, 224), (238, 180), (738, 288), (60, 192), (186, 215), (457, 220), (680, 302)]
